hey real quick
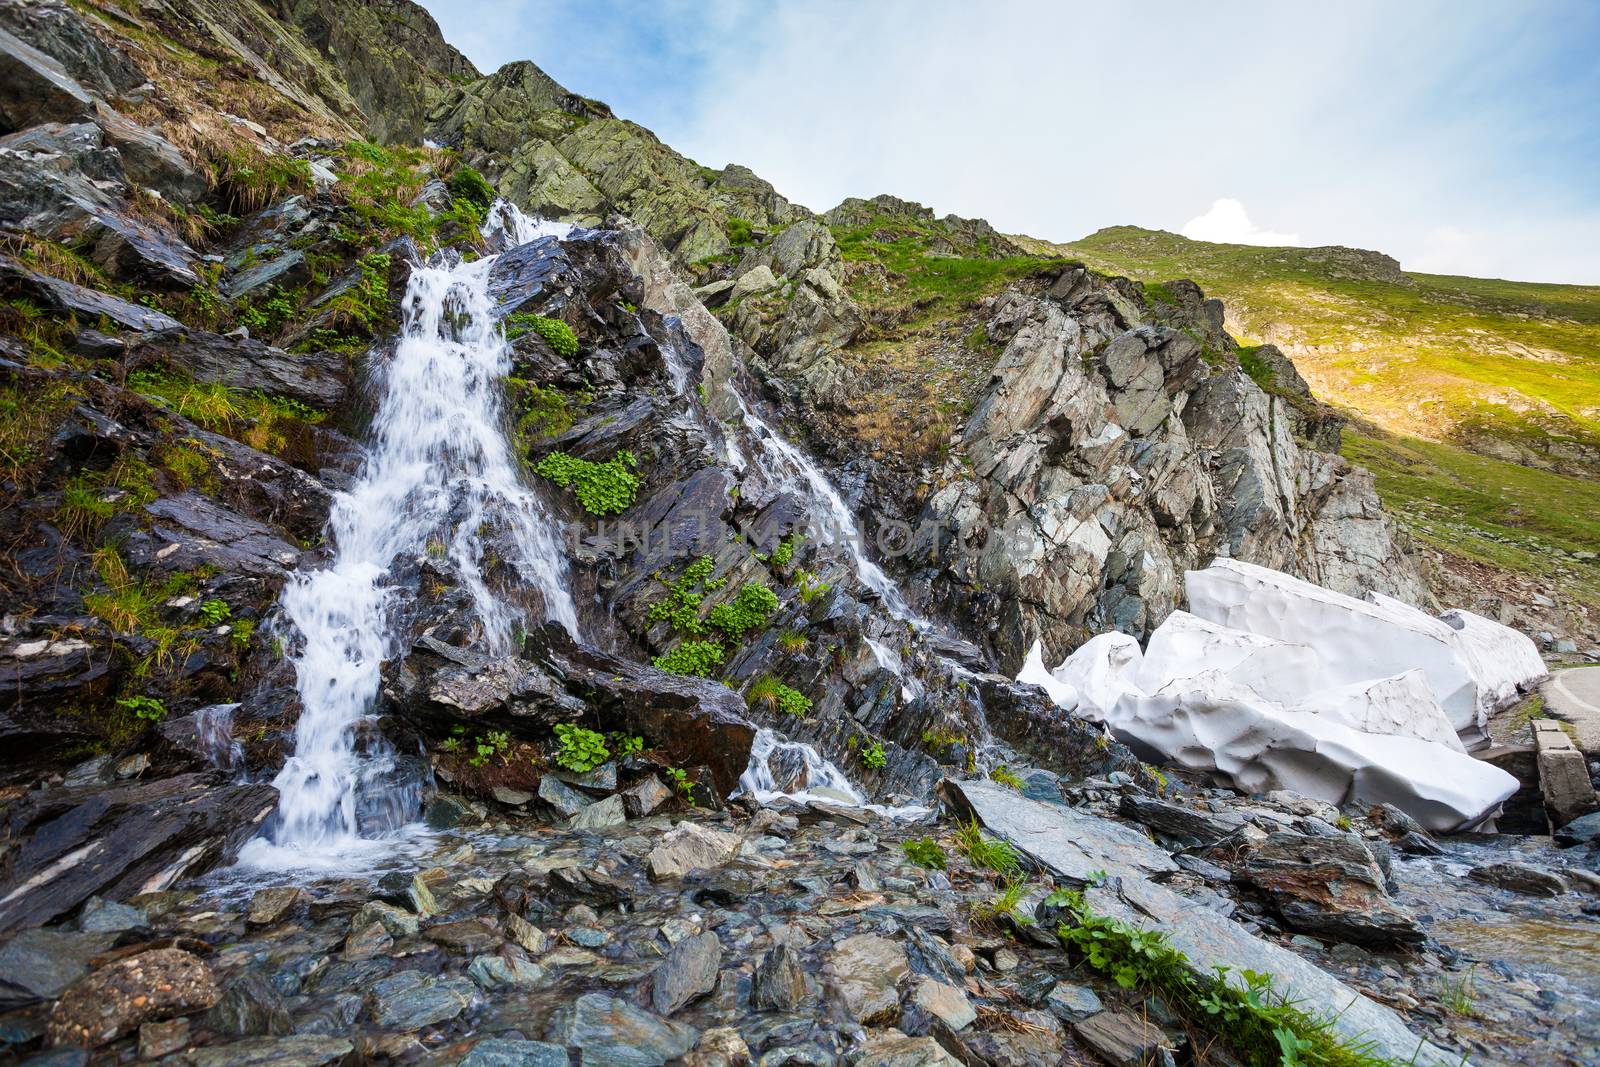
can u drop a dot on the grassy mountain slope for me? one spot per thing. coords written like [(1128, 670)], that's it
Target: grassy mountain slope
[(1476, 401)]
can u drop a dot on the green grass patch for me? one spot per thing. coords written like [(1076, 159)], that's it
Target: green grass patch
[(925, 852), (927, 284), (778, 696), (991, 853), (1484, 509)]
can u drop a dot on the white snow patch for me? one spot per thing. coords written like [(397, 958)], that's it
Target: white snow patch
[(1275, 683)]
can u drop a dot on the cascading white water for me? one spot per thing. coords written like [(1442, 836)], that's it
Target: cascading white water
[(837, 522), (818, 779), (438, 472)]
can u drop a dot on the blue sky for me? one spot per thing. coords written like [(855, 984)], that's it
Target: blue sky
[(1460, 137)]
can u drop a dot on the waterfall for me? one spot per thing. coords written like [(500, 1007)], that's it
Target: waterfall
[(439, 472), (813, 778), (838, 523)]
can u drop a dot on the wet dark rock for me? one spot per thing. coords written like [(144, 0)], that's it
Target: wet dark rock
[(442, 684), (446, 812), (107, 916), (934, 1000), (562, 797), (299, 1050), (1124, 1040), (930, 955), (330, 1016), (863, 972), (396, 921), (606, 1030), (1418, 844), (316, 379), (780, 980), (1519, 878), (1183, 825), (1580, 831), (469, 937), (1329, 886), (66, 298), (695, 721), (40, 964), (274, 904), (688, 972), (250, 1006), (601, 815), (411, 1000), (160, 1039), (645, 797), (506, 972), (206, 533), (891, 1048), (37, 87), (514, 1052), (1073, 845), (1072, 1003), (64, 182), (602, 781), (67, 845), (60, 33), (690, 847), (118, 998)]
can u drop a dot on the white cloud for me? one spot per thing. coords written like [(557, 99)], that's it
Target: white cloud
[(1337, 126), (1448, 250), (1228, 223)]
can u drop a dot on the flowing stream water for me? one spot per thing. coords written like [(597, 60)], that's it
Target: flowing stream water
[(439, 471)]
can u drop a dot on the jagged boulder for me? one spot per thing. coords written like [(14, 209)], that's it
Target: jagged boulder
[(67, 844), (1107, 456)]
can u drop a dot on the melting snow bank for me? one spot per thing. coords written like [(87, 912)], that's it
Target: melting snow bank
[(1274, 683), (793, 770)]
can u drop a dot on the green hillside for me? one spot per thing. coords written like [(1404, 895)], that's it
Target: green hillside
[(1483, 396)]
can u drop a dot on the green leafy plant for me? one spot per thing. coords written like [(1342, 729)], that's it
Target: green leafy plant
[(214, 612), (925, 852), (602, 488), (681, 606), (749, 608), (939, 737), (740, 232), (872, 757), (1263, 1028), (492, 744), (681, 783), (244, 630), (698, 658), (557, 334), (581, 750), (810, 588), (627, 744), (785, 550), (148, 708)]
